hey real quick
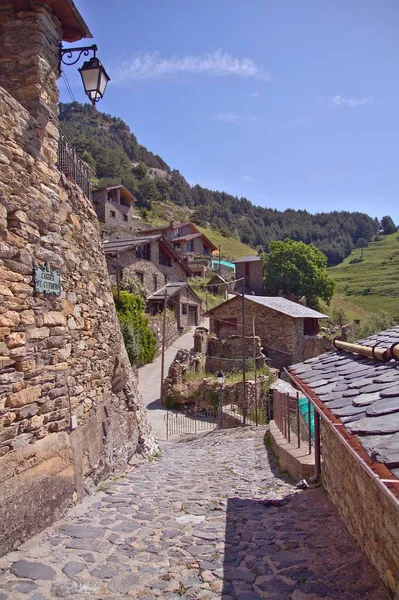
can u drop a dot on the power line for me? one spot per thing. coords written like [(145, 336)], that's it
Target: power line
[(68, 87)]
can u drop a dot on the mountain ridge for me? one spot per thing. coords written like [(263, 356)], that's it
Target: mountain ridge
[(112, 150)]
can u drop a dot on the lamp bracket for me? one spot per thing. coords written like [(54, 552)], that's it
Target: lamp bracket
[(66, 54)]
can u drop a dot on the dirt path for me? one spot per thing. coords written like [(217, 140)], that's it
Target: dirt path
[(209, 520)]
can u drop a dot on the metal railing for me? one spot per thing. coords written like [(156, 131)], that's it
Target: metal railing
[(294, 416), (195, 420), (72, 165)]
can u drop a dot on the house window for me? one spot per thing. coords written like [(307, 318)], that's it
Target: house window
[(143, 252), (190, 246), (184, 309), (164, 259), (125, 218), (310, 327), (140, 276), (112, 214), (155, 282)]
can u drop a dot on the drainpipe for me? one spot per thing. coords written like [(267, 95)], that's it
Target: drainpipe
[(317, 449), (382, 354)]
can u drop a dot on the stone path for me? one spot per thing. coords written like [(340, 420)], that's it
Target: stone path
[(208, 520), (150, 382)]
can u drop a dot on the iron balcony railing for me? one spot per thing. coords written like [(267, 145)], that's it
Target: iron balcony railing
[(73, 166)]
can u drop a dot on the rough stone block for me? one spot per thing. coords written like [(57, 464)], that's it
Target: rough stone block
[(8, 433), (51, 318), (16, 339), (11, 377), (9, 319), (25, 396), (37, 333), (3, 217)]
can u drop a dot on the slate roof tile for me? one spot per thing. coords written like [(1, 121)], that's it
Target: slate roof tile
[(377, 425), (362, 392), (385, 446), (383, 406), (351, 393), (364, 399)]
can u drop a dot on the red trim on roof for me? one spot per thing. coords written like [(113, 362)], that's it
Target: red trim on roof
[(378, 468)]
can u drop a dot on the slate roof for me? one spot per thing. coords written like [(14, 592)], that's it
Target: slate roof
[(287, 307), (117, 246), (172, 289), (363, 393), (249, 258), (189, 236)]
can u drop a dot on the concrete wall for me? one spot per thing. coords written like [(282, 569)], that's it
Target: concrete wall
[(367, 512), (59, 356)]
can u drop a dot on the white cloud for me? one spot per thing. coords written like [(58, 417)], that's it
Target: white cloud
[(235, 118), (255, 94), (246, 178), (338, 101), (213, 64)]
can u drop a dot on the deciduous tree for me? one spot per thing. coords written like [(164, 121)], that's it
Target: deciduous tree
[(299, 269)]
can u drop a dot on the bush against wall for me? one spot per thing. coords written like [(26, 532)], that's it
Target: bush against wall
[(139, 339)]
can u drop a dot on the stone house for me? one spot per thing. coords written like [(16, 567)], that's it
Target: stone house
[(151, 259), (70, 412), (288, 330), (218, 286), (186, 239), (113, 207), (251, 268), (355, 393), (180, 298)]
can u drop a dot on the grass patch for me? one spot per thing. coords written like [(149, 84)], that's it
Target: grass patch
[(229, 247), (373, 283)]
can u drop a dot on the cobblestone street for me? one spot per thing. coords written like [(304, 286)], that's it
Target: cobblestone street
[(210, 519)]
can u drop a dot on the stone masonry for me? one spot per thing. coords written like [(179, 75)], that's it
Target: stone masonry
[(376, 524), (59, 356), (281, 335), (153, 273)]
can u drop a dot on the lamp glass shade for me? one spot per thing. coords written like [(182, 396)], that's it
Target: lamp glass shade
[(220, 378), (94, 78)]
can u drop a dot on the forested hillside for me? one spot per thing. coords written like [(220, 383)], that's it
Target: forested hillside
[(109, 147)]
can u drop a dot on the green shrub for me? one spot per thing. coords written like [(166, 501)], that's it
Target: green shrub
[(376, 322), (139, 339), (170, 404)]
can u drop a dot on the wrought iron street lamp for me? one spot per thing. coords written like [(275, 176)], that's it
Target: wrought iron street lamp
[(220, 378), (94, 76)]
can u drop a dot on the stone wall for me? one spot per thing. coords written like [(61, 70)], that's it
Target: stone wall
[(376, 524), (171, 330), (281, 335), (253, 273), (226, 355), (59, 356), (151, 269)]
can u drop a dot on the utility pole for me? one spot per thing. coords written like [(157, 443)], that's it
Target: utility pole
[(163, 343), (220, 264), (255, 373), (243, 352), (118, 285)]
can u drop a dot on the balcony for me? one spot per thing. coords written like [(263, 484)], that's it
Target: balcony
[(72, 166)]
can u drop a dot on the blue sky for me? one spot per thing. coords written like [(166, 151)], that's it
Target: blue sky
[(293, 104)]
